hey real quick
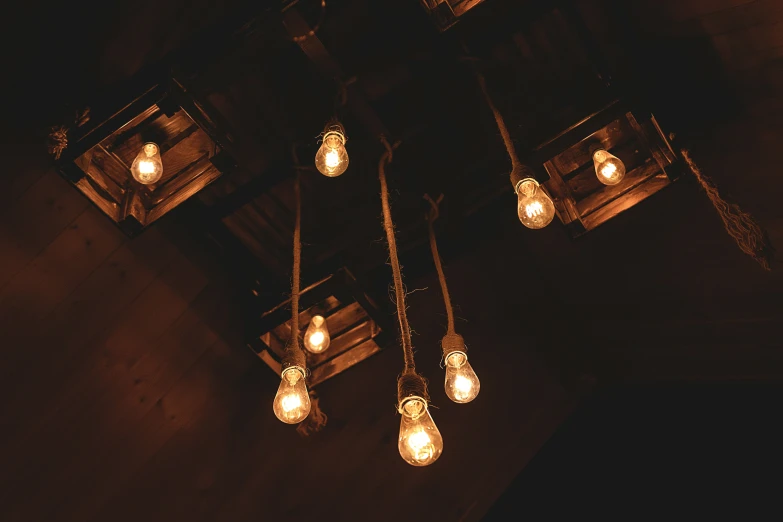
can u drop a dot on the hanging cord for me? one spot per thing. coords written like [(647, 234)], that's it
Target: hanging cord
[(518, 170), (750, 237), (294, 355), (452, 341), (409, 383)]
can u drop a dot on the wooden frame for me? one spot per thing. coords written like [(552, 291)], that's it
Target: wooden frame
[(581, 201), (446, 13), (358, 328), (98, 158)]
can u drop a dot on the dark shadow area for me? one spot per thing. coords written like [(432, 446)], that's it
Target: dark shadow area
[(632, 450)]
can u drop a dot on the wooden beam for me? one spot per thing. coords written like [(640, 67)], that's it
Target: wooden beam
[(317, 52)]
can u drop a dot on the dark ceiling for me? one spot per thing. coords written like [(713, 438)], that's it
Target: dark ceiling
[(659, 292)]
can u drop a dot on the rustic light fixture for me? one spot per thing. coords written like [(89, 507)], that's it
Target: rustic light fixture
[(117, 160), (358, 328), (332, 157), (608, 167), (317, 335), (147, 168), (619, 138), (462, 384), (420, 442), (292, 402), (534, 206)]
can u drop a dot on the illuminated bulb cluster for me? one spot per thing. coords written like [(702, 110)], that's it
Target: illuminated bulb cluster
[(316, 337), (420, 442), (332, 157), (609, 169), (535, 208), (462, 384), (147, 168), (292, 402)]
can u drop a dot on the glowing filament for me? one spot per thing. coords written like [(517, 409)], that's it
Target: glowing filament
[(608, 170), (146, 167), (462, 387), (421, 446), (332, 159), (291, 402), (534, 209), (317, 338)]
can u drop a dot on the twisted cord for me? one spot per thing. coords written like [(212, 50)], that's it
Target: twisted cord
[(294, 355), (741, 226), (399, 291), (431, 217), (518, 170)]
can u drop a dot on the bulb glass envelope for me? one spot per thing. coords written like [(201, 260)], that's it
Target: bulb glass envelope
[(99, 155), (582, 202), (358, 328)]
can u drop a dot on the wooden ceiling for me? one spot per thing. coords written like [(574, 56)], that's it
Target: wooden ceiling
[(128, 391)]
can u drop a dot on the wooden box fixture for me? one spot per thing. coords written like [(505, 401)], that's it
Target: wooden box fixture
[(353, 319), (582, 202), (98, 158), (446, 13)]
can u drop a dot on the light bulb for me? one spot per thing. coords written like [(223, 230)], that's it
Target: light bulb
[(535, 209), (420, 443), (462, 383), (608, 167), (332, 158), (292, 402), (316, 337), (147, 168)]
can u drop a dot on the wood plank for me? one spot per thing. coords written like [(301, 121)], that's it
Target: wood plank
[(73, 327), (131, 377), (35, 291), (35, 220), (631, 180), (198, 409), (184, 153), (343, 342), (24, 164), (342, 362), (641, 192)]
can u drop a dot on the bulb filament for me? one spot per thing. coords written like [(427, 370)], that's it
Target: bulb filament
[(534, 209), (608, 170), (291, 402), (421, 445), (146, 167), (332, 159)]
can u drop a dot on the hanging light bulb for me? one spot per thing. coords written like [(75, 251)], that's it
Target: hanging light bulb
[(292, 402), (420, 442), (462, 383), (316, 337), (608, 167), (332, 158), (535, 208), (147, 168)]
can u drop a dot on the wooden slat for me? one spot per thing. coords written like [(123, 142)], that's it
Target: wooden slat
[(75, 326), (641, 192), (182, 155), (631, 180), (57, 271), (343, 342), (343, 361), (35, 220), (561, 195), (24, 165), (135, 371)]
